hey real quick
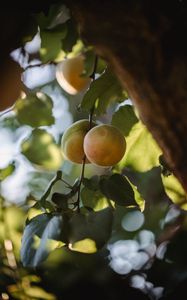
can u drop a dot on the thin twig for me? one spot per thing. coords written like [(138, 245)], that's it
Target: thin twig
[(6, 111), (90, 126), (66, 183), (39, 65), (93, 78), (49, 188), (80, 182)]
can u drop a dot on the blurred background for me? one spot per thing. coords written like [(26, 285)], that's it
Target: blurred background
[(145, 257)]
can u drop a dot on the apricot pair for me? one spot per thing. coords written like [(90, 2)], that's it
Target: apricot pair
[(103, 144)]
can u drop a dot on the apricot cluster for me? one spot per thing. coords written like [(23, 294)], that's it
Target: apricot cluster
[(103, 145)]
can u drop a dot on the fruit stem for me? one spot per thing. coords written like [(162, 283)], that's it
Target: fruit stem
[(90, 126), (80, 182), (93, 78)]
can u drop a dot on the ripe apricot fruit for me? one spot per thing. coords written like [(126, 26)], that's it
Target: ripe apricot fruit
[(72, 141), (104, 145), (69, 75)]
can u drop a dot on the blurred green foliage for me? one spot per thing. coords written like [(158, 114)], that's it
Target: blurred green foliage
[(60, 238)]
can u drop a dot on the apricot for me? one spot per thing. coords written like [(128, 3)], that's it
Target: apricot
[(69, 75), (72, 141), (104, 145)]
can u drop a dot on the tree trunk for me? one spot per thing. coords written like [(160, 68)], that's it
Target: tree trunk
[(144, 42)]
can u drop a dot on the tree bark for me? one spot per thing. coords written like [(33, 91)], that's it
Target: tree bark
[(144, 42)]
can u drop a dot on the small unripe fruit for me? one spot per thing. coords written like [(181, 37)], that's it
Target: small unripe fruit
[(72, 141), (69, 75), (104, 145)]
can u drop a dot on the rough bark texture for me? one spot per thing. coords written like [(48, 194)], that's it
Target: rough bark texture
[(145, 42)]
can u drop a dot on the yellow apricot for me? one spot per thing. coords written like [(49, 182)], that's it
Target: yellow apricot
[(69, 75), (104, 145), (72, 141)]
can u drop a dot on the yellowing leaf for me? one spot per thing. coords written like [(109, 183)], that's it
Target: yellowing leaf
[(38, 293), (85, 246), (138, 198), (142, 152), (4, 173), (175, 191)]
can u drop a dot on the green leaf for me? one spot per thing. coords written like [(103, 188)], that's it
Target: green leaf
[(61, 200), (93, 199), (138, 197), (41, 150), (89, 61), (92, 183), (58, 14), (142, 153), (45, 226), (35, 110), (101, 65), (117, 188), (71, 37), (102, 92), (174, 190), (38, 209), (124, 119), (95, 226), (42, 20), (166, 171), (51, 44), (4, 173)]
